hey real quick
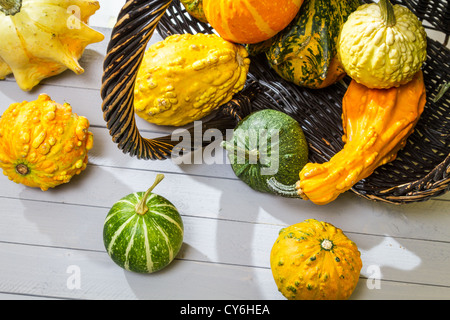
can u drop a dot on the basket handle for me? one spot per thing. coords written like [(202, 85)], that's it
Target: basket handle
[(135, 26)]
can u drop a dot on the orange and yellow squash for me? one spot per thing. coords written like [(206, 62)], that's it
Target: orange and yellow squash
[(43, 143), (376, 124), (314, 260), (250, 21)]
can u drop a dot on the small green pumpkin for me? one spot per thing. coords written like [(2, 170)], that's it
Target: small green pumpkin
[(267, 144), (143, 231), (305, 53)]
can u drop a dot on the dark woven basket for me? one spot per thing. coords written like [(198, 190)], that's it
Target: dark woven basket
[(422, 168)]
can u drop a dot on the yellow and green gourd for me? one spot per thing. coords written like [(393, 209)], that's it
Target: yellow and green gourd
[(305, 52), (382, 45), (195, 9), (43, 143), (314, 260), (186, 77)]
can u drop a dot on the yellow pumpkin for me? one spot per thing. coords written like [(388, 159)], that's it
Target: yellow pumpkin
[(314, 260), (186, 77), (381, 45), (43, 143), (42, 38), (376, 124), (250, 21)]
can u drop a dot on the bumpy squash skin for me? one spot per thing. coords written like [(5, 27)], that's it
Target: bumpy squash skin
[(195, 9), (186, 77), (379, 56), (305, 53), (284, 166), (376, 124), (250, 21), (313, 260), (45, 39), (42, 143)]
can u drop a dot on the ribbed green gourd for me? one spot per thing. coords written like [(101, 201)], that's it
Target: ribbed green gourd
[(267, 144), (143, 231), (305, 52)]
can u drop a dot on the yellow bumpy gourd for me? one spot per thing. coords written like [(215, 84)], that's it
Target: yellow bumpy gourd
[(186, 77), (43, 143), (42, 38), (314, 260), (382, 46)]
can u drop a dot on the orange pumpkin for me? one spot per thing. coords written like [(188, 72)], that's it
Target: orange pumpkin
[(250, 21), (43, 143)]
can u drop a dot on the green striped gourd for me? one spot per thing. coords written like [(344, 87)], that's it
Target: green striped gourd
[(143, 232), (305, 52)]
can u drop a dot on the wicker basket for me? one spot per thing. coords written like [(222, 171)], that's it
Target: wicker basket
[(422, 168)]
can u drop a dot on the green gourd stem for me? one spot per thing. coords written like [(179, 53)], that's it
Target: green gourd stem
[(10, 7), (387, 12), (287, 191), (241, 153), (141, 208), (441, 91)]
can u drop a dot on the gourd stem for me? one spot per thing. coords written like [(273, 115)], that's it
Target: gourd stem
[(441, 91), (10, 7), (22, 169), (241, 153), (387, 12), (141, 208), (287, 191), (327, 245)]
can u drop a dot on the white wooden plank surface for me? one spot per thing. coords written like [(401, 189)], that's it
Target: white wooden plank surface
[(47, 237)]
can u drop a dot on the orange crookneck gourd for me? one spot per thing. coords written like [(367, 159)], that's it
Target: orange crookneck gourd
[(376, 123)]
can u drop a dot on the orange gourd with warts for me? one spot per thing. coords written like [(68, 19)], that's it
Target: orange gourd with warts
[(43, 143), (376, 124), (314, 260)]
